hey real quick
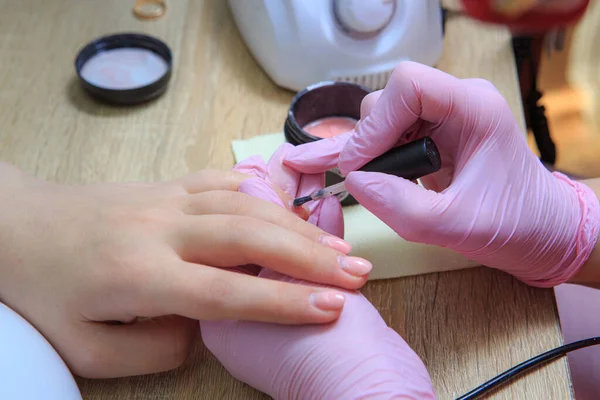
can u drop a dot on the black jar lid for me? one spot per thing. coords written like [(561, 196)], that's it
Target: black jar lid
[(322, 100), (125, 69)]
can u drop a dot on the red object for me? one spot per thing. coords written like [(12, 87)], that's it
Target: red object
[(532, 21)]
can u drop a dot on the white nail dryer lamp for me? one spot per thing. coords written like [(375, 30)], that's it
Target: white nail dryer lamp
[(30, 368), (301, 42)]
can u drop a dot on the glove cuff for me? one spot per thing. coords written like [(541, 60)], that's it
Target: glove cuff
[(586, 235)]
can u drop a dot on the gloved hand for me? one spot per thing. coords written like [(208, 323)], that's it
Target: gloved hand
[(492, 201), (357, 356)]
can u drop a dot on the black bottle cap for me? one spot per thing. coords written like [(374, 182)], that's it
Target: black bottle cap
[(410, 161), (125, 90)]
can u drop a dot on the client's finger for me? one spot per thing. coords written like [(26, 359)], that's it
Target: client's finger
[(288, 203), (261, 189), (225, 202), (209, 179), (309, 183), (270, 246), (281, 176), (206, 293)]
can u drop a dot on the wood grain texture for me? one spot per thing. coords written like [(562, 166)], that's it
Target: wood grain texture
[(467, 325)]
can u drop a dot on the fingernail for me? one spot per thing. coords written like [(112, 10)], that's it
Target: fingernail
[(355, 266), (327, 301), (303, 208), (335, 243), (303, 211)]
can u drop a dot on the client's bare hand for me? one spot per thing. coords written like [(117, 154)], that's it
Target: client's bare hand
[(114, 275)]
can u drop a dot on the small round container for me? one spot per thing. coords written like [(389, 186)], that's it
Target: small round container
[(321, 111), (320, 102), (125, 69)]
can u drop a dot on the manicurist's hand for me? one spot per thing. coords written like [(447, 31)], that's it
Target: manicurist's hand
[(356, 357), (492, 201), (156, 258)]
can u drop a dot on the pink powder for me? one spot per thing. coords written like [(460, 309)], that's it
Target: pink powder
[(124, 68), (330, 126)]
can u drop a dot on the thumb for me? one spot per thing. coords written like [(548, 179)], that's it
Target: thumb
[(413, 212), (144, 347)]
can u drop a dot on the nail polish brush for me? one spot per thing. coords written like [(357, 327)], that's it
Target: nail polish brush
[(410, 161)]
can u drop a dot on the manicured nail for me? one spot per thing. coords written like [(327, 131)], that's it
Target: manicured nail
[(327, 300), (355, 266), (302, 211), (335, 243)]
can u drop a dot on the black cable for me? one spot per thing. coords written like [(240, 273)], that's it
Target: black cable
[(525, 366)]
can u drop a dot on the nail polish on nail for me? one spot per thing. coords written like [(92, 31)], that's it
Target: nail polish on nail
[(327, 300), (355, 266), (303, 209), (335, 243)]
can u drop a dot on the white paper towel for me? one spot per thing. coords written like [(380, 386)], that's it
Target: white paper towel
[(370, 238)]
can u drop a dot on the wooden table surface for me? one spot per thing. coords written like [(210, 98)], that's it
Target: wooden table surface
[(467, 326)]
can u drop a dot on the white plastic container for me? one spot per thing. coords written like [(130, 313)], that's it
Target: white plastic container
[(30, 368), (301, 42)]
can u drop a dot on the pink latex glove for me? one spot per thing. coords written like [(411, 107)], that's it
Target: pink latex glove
[(356, 357), (493, 200)]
